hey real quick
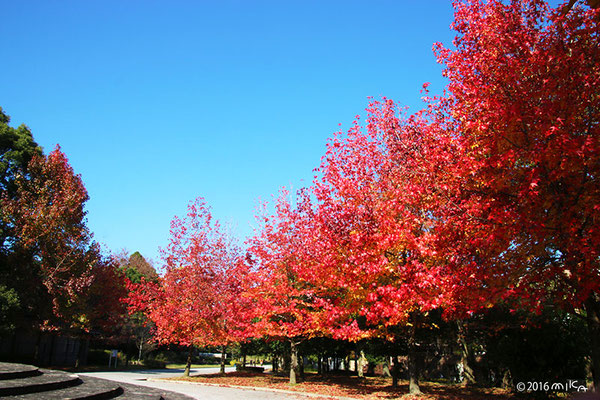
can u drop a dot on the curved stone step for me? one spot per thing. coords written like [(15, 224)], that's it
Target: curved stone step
[(101, 389), (28, 382), (47, 381), (17, 371), (90, 389)]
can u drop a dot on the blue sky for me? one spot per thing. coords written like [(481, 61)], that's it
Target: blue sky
[(158, 102)]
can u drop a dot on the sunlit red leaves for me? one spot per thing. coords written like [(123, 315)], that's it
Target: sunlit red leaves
[(522, 92), (357, 244), (195, 302), (385, 212), (487, 194), (281, 302)]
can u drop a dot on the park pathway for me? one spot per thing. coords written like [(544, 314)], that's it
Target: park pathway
[(149, 378)]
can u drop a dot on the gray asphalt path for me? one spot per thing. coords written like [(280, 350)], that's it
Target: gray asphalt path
[(203, 392)]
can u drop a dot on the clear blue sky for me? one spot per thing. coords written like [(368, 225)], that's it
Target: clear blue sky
[(158, 102)]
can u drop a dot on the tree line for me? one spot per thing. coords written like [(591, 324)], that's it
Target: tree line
[(54, 278), (483, 203), (477, 215)]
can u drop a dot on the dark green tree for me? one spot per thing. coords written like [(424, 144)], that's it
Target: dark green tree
[(138, 263), (17, 147), (51, 271), (136, 326), (135, 266)]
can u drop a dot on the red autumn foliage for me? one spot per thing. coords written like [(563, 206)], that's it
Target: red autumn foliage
[(194, 303), (488, 195), (283, 302), (521, 109), (47, 218)]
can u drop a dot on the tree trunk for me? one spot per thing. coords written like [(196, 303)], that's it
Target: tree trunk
[(141, 346), (301, 362), (285, 362), (507, 381), (274, 362), (361, 364), (592, 308), (78, 358), (81, 352), (320, 365), (465, 355), (395, 371), (244, 361), (222, 360), (188, 364), (413, 365), (293, 362)]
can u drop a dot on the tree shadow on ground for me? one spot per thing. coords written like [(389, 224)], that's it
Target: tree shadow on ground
[(351, 386)]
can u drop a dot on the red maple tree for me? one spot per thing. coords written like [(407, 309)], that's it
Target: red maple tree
[(282, 303), (50, 237), (194, 302), (501, 171), (376, 225)]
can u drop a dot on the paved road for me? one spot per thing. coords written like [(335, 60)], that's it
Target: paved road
[(196, 391)]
